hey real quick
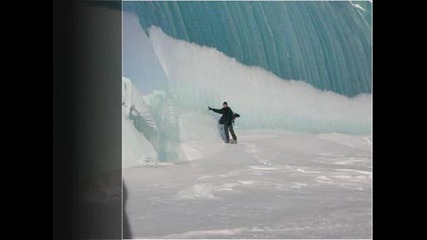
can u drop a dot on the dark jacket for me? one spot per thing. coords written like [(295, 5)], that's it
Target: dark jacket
[(227, 115)]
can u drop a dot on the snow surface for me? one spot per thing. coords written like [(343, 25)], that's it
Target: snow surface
[(269, 185)]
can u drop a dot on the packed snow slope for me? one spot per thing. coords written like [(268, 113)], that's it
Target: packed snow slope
[(270, 185)]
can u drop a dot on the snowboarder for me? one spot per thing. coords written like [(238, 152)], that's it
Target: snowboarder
[(227, 119)]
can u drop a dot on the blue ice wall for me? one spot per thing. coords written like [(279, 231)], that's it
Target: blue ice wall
[(326, 44)]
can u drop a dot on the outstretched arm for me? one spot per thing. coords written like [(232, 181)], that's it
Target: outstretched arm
[(220, 111)]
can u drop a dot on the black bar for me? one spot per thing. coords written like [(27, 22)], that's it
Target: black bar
[(87, 180)]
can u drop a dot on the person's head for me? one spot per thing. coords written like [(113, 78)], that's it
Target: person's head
[(225, 104)]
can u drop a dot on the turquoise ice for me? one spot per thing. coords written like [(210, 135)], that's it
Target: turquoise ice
[(326, 44)]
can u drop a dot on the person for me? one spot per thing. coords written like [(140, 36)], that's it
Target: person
[(227, 119)]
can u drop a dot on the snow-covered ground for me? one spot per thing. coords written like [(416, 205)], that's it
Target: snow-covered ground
[(269, 185)]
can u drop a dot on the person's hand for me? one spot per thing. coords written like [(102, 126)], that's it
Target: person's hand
[(209, 108)]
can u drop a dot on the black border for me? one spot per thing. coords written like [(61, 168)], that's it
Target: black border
[(87, 181)]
